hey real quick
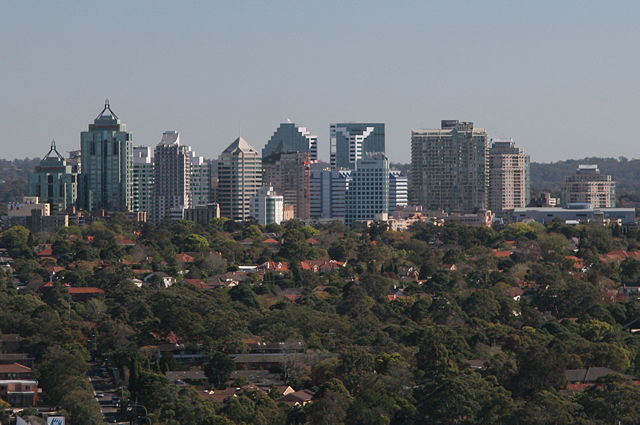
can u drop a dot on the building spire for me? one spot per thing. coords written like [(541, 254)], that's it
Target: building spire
[(53, 149), (107, 107)]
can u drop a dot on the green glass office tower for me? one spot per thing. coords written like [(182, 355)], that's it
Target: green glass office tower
[(54, 182), (107, 164)]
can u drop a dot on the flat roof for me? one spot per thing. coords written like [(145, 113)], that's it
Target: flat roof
[(573, 210)]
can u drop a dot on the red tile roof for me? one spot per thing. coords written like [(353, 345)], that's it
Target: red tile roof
[(271, 241), (85, 290), (321, 265), (198, 283), (184, 258), (14, 368), (277, 266), (47, 252)]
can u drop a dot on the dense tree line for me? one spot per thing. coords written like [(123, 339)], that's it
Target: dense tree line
[(403, 328)]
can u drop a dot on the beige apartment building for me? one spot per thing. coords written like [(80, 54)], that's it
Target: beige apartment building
[(508, 176), (588, 186), (239, 179), (450, 167)]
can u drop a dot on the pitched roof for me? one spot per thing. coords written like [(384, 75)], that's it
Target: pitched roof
[(592, 374), (240, 145), (185, 258), (14, 368), (198, 283), (85, 290)]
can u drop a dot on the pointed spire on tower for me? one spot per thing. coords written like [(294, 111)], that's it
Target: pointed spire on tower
[(53, 149), (107, 107)]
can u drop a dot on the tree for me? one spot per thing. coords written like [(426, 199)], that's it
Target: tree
[(330, 404), (613, 400), (196, 243), (218, 369)]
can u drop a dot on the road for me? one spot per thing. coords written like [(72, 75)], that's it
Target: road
[(105, 390)]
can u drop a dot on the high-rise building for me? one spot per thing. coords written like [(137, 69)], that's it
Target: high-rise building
[(267, 206), (171, 188), (213, 163), (508, 176), (328, 193), (320, 190), (398, 190), (200, 180), (143, 176), (290, 138), (350, 141), (289, 175), (54, 181), (368, 192), (107, 164), (239, 178), (450, 167), (588, 186), (75, 161)]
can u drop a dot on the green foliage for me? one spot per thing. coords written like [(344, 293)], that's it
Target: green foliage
[(376, 359), (218, 369)]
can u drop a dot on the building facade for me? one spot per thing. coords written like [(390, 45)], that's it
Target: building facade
[(508, 176), (267, 207), (350, 141), (143, 177), (398, 190), (329, 192), (201, 179), (107, 164), (239, 178), (368, 192), (54, 181), (172, 174), (450, 167), (588, 186), (289, 175), (289, 138)]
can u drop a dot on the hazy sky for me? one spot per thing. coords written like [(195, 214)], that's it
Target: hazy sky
[(560, 77)]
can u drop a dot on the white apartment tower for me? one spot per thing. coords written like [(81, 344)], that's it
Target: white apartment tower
[(200, 180), (398, 190), (508, 176), (267, 207), (368, 192), (143, 176), (171, 190)]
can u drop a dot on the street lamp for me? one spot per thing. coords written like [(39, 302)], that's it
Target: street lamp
[(130, 408)]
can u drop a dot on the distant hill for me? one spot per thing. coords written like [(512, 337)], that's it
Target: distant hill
[(549, 177), (14, 177)]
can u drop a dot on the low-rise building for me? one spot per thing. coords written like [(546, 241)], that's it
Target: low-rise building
[(578, 214)]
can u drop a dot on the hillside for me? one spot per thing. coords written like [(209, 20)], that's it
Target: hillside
[(548, 177), (14, 177)]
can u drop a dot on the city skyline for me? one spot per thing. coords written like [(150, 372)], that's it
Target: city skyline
[(539, 73)]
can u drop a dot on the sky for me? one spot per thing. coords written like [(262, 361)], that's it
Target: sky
[(560, 77)]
